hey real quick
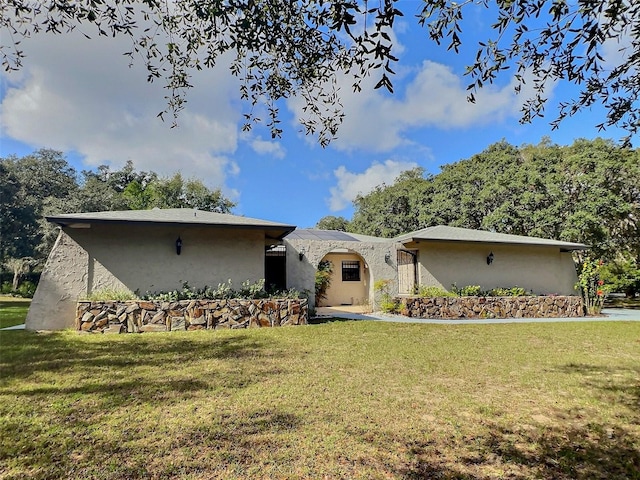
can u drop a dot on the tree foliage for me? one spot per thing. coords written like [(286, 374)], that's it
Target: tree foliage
[(587, 192), (43, 184), (331, 222), (282, 48)]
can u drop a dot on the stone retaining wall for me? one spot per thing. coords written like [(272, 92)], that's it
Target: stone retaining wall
[(492, 307), (155, 316)]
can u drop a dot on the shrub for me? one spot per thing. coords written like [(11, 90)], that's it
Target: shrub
[(106, 294), (26, 289), (6, 288), (224, 290), (387, 303), (622, 275), (323, 279), (507, 292), (429, 291), (591, 286), (467, 291)]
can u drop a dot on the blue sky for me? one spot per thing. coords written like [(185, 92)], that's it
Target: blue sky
[(81, 97)]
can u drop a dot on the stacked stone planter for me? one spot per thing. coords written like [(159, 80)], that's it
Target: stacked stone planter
[(492, 307), (155, 316)]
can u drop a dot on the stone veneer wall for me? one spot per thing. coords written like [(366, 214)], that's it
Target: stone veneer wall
[(156, 316), (492, 307)]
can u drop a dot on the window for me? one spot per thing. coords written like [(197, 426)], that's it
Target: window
[(350, 271)]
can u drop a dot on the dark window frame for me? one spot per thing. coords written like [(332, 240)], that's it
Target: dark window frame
[(351, 270)]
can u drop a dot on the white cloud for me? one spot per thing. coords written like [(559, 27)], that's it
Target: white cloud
[(351, 184), (265, 147), (429, 96), (80, 95)]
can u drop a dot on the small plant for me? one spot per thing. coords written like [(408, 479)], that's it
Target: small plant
[(105, 294), (387, 303), (467, 291), (26, 289), (507, 292), (430, 291), (323, 280), (591, 286), (6, 288), (223, 291)]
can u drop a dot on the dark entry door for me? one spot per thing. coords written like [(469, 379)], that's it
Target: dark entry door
[(275, 268), (406, 271)]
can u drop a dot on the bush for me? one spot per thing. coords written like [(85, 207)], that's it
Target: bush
[(507, 292), (225, 290), (429, 291), (323, 280), (467, 291), (6, 288), (387, 303), (26, 289), (107, 294), (622, 275)]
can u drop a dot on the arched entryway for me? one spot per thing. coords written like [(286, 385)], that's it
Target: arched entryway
[(350, 282)]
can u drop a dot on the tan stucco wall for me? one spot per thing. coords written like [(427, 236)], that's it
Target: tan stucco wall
[(140, 258), (542, 270), (347, 293), (301, 273), (63, 279)]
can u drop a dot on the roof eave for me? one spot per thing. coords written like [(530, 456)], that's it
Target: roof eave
[(272, 231), (563, 248)]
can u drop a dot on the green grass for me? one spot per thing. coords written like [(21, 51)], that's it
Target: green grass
[(336, 400), (13, 311)]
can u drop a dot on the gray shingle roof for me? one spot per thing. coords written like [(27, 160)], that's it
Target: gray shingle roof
[(456, 234), (336, 235), (174, 216)]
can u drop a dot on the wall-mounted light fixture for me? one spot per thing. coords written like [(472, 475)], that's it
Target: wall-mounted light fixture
[(490, 258), (387, 257), (301, 253), (178, 245)]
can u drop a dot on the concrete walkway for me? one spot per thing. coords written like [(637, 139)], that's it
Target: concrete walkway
[(15, 327), (608, 315)]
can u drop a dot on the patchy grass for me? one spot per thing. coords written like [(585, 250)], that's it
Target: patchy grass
[(337, 400), (13, 311)]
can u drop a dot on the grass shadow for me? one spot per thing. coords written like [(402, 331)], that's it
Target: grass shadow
[(322, 320)]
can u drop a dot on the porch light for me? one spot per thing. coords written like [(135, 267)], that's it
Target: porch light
[(490, 258), (178, 246), (301, 253), (387, 257)]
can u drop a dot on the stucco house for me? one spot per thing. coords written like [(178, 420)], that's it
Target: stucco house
[(154, 250)]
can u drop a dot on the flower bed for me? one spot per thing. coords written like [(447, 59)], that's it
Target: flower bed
[(492, 307), (134, 316)]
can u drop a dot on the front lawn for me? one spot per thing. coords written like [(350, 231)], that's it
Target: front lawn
[(337, 400), (13, 311)]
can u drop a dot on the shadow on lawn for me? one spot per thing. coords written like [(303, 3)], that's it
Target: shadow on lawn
[(141, 367), (571, 447)]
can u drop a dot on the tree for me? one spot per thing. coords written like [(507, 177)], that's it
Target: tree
[(282, 48), (33, 183), (175, 192), (391, 210), (19, 266), (331, 222)]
